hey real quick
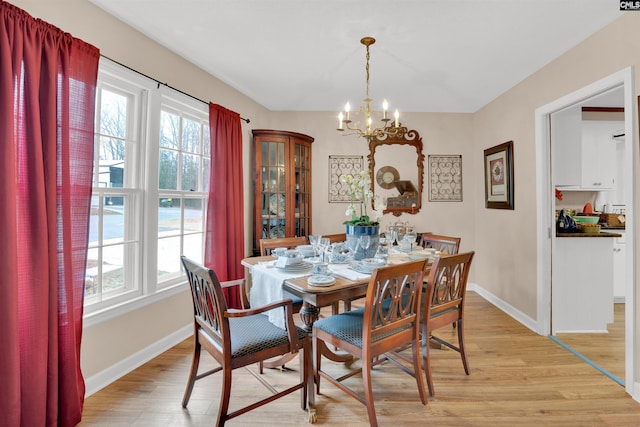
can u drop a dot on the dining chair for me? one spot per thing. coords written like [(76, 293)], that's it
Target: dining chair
[(267, 245), (443, 304), (390, 318), (336, 238), (447, 245), (237, 338)]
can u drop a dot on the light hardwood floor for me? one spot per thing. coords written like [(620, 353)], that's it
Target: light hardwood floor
[(518, 378), (605, 350)]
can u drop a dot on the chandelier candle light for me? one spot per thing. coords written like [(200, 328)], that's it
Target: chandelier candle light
[(385, 128)]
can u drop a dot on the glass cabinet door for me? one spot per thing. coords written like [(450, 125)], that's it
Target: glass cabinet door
[(282, 185), (273, 198)]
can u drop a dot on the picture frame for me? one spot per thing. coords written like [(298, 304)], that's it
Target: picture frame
[(498, 176), (445, 178)]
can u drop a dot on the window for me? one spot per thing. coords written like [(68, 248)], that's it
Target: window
[(150, 185), (183, 180)]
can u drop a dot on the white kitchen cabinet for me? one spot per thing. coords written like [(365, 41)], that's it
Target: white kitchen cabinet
[(566, 134), (619, 268), (598, 168), (584, 154), (582, 289)]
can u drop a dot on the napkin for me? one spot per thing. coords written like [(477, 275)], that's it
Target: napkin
[(347, 272)]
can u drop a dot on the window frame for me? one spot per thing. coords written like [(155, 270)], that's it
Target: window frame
[(141, 187)]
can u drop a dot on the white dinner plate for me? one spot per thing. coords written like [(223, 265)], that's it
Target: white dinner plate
[(295, 268), (321, 280)]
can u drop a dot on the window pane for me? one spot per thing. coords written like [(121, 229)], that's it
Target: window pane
[(113, 114), (169, 130), (193, 246), (206, 140), (169, 219), (190, 136), (111, 163), (193, 215), (206, 170), (112, 268), (168, 255), (168, 171), (190, 172)]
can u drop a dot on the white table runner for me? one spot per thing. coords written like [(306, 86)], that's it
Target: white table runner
[(267, 288)]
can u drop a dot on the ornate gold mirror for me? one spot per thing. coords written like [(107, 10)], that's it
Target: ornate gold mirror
[(396, 167)]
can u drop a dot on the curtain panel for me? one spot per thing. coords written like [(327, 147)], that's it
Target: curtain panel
[(224, 238), (47, 106)]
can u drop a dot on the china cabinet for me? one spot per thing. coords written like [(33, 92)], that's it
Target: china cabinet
[(282, 185)]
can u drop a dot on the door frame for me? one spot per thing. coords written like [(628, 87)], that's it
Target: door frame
[(545, 195)]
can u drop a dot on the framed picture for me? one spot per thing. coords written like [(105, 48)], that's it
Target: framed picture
[(445, 178), (498, 176)]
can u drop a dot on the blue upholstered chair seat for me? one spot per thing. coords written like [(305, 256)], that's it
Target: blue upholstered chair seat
[(254, 333), (348, 327)]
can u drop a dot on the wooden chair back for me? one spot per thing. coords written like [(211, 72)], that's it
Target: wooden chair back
[(447, 245), (267, 245), (336, 238), (444, 305), (393, 304)]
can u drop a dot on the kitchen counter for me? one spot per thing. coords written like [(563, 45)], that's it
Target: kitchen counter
[(600, 234), (582, 277)]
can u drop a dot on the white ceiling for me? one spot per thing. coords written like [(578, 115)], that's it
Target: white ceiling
[(430, 55)]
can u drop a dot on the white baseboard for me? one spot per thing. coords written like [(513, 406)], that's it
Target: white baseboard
[(123, 367), (507, 308)]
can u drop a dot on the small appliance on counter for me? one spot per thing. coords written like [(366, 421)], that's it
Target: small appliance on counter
[(565, 223)]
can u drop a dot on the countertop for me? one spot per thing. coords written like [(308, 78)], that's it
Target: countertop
[(600, 234)]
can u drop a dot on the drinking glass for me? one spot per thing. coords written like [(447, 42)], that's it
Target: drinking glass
[(412, 236), (323, 244), (393, 236), (315, 241), (365, 242)]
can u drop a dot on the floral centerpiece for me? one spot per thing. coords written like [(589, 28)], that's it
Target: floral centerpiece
[(361, 224), (359, 190)]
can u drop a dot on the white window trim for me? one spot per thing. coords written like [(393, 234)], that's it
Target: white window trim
[(147, 292)]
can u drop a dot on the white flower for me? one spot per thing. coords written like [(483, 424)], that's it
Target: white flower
[(350, 211), (358, 187)]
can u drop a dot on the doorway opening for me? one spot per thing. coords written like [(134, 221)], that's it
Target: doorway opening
[(546, 186)]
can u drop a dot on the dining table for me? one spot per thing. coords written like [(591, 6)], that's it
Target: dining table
[(267, 283)]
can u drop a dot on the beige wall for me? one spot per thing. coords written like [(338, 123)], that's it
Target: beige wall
[(504, 240)]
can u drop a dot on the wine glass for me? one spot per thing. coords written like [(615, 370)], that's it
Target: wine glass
[(411, 235), (315, 241), (393, 236), (365, 242), (400, 233), (323, 244)]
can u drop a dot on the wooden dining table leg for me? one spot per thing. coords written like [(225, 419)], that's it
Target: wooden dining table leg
[(309, 313)]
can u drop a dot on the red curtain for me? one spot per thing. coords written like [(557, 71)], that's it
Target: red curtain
[(224, 240), (47, 105)]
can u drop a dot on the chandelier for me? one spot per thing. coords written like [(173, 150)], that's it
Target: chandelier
[(379, 127)]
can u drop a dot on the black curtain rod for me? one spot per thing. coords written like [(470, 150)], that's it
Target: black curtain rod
[(164, 84)]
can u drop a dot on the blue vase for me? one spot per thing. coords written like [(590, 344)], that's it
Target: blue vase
[(353, 235)]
